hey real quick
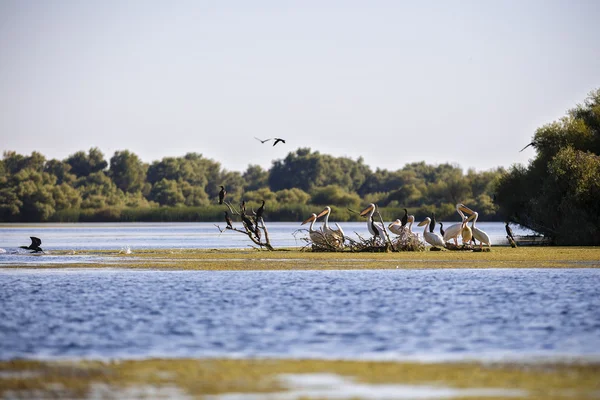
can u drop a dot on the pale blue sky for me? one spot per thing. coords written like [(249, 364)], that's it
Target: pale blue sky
[(466, 82)]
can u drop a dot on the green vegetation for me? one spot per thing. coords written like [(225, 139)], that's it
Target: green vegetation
[(558, 193), (198, 377), (85, 187)]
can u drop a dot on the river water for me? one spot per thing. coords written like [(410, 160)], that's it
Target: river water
[(204, 235), (430, 315)]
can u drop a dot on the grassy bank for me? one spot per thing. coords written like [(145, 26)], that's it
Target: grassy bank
[(199, 377), (294, 259)]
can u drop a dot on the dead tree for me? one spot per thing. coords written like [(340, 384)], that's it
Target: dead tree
[(253, 231)]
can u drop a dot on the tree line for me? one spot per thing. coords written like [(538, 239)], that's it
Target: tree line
[(87, 187)]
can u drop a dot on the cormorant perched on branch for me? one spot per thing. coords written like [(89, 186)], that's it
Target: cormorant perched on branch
[(404, 219), (222, 194), (277, 140), (228, 220), (260, 211), (509, 231), (35, 245), (442, 228), (260, 140), (248, 222), (432, 225)]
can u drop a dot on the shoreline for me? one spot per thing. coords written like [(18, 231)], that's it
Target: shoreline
[(295, 259), (251, 378)]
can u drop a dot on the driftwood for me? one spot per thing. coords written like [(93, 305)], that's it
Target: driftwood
[(255, 234), (323, 242)]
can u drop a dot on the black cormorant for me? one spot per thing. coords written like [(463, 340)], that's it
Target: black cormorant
[(35, 245), (228, 220), (222, 194), (404, 219), (260, 140), (432, 224), (248, 222), (260, 211), (509, 231), (442, 228), (277, 140)]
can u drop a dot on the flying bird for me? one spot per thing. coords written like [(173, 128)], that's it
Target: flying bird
[(530, 144), (261, 140), (228, 220), (35, 245), (222, 194), (277, 140)]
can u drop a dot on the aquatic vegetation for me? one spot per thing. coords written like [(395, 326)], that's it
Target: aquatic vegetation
[(196, 377)]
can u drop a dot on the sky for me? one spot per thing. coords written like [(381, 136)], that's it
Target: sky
[(393, 82)]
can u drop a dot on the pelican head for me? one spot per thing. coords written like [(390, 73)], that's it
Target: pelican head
[(325, 211), (367, 210), (309, 219), (425, 222)]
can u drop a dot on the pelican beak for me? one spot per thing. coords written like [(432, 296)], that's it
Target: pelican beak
[(366, 211), (312, 217), (423, 223), (466, 209), (325, 211)]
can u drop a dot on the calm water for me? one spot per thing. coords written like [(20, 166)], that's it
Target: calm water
[(391, 314), (107, 236)]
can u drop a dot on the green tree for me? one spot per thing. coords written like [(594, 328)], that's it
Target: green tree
[(85, 164), (127, 171), (558, 194)]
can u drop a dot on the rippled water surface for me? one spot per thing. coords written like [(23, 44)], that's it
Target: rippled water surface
[(391, 314)]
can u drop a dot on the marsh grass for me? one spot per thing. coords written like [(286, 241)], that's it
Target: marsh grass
[(196, 377)]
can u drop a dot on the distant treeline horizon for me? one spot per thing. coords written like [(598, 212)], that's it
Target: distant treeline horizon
[(86, 187)]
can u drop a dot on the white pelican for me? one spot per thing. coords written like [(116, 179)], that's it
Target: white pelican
[(315, 235), (478, 234), (335, 234), (432, 238), (454, 230), (466, 232), (375, 229), (397, 228)]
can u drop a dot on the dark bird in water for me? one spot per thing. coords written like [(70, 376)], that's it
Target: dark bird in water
[(222, 194), (260, 140), (509, 231), (35, 245), (260, 211), (277, 140), (248, 222), (432, 224), (442, 228), (404, 219), (228, 220)]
